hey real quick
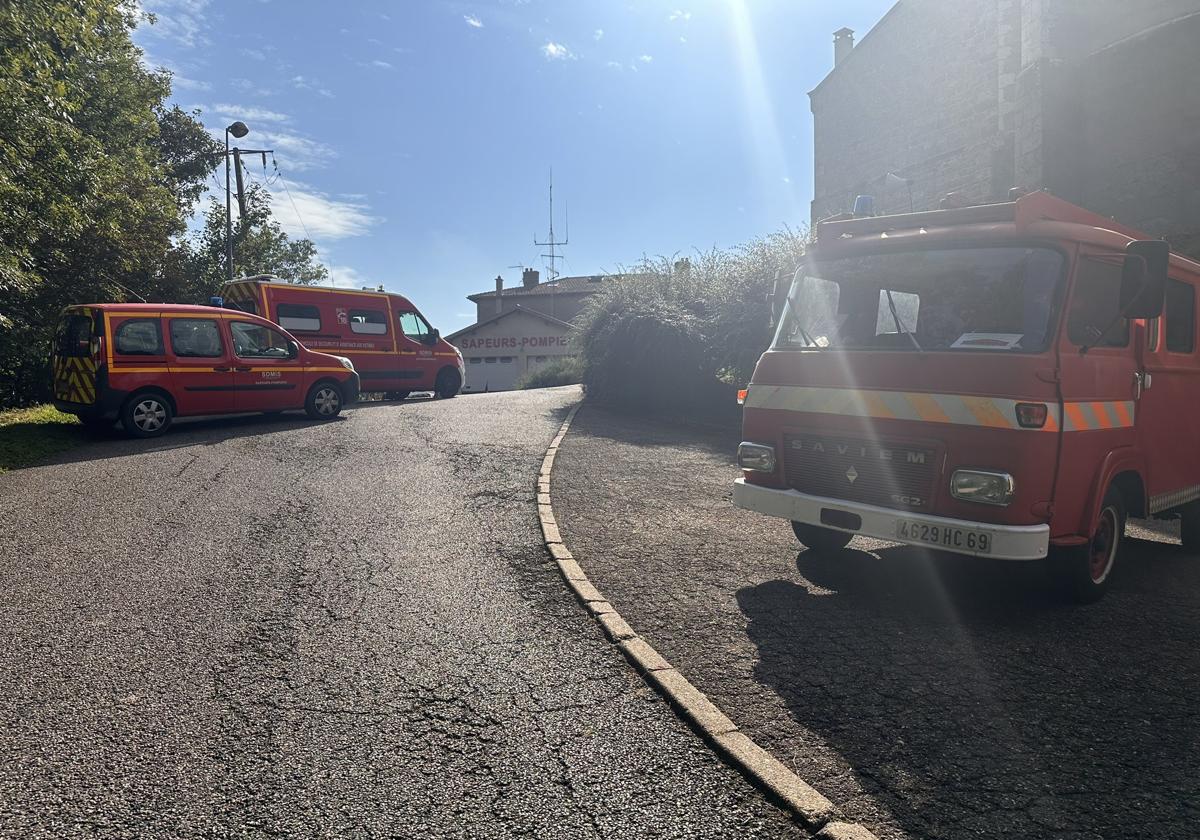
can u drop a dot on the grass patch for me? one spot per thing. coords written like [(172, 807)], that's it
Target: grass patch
[(28, 435)]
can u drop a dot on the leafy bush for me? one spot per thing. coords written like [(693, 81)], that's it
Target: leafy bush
[(678, 337), (565, 370)]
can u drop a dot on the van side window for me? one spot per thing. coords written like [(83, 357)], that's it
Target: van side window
[(298, 317), (368, 321), (254, 341), (1095, 304), (413, 326), (1180, 317), (139, 337), (200, 337)]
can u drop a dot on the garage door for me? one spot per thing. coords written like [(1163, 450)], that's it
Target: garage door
[(492, 373)]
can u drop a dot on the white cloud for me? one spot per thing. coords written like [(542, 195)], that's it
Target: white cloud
[(319, 215), (307, 83), (615, 65), (257, 55), (598, 34), (382, 65), (556, 52), (346, 277), (678, 14), (472, 20), (182, 21), (645, 59), (247, 113)]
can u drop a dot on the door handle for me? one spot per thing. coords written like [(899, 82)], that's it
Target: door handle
[(242, 368), (222, 369), (1142, 381)]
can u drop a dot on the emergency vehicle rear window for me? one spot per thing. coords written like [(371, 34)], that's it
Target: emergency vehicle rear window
[(139, 337), (368, 321), (298, 317), (74, 336), (242, 306), (200, 337), (1181, 317)]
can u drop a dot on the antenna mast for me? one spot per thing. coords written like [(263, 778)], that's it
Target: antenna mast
[(551, 242)]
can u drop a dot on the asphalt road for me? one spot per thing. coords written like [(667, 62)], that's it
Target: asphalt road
[(927, 697), (268, 627)]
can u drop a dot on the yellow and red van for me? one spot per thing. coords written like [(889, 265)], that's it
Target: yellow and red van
[(146, 364), (393, 347)]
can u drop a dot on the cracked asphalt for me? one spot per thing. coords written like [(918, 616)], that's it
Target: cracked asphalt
[(268, 627), (927, 696)]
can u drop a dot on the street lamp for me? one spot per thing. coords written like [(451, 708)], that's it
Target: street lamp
[(238, 130)]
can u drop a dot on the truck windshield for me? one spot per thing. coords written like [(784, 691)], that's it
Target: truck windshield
[(953, 299)]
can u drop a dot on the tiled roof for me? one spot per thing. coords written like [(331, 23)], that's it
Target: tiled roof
[(563, 285), (549, 319)]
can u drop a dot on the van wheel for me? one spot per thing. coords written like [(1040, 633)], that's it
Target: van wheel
[(447, 384), (324, 401), (146, 415), (396, 395), (821, 540), (1082, 573)]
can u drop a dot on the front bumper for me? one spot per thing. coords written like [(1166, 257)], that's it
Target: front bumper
[(351, 389), (1009, 542)]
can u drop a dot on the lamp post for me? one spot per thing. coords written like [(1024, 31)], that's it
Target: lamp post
[(238, 130)]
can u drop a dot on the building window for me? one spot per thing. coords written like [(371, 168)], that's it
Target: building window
[(506, 360), (196, 337), (298, 317), (475, 360), (1180, 317), (139, 337), (491, 360), (368, 321)]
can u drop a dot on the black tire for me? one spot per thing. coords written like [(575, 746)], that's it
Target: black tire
[(396, 395), (447, 384), (821, 540), (1189, 527), (146, 415), (324, 401), (1081, 574)]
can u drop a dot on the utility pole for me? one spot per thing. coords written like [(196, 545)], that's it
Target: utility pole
[(552, 269), (239, 130)]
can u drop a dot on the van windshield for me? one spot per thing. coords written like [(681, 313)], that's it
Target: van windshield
[(944, 300)]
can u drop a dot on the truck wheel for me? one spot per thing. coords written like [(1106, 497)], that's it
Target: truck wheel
[(324, 401), (146, 415), (447, 384), (1082, 573), (1189, 527), (821, 540)]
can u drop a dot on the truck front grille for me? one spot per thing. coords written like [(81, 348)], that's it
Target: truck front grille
[(884, 473)]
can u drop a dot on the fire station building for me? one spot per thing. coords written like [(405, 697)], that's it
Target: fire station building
[(519, 330)]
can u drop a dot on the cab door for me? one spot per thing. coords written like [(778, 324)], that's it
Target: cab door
[(265, 376), (417, 345), (200, 365), (1099, 387), (1169, 379)]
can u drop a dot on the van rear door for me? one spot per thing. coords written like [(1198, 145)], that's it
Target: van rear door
[(74, 357)]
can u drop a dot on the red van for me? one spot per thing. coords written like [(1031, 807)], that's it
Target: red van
[(393, 347), (145, 364), (1009, 380)]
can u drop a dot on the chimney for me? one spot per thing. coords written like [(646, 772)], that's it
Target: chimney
[(843, 43), (499, 294), (529, 278)]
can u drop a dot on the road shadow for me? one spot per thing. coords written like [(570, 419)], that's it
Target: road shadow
[(651, 431), (972, 704)]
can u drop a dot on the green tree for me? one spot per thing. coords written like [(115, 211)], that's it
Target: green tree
[(97, 174)]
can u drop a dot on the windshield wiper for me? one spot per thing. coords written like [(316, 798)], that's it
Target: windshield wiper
[(896, 318)]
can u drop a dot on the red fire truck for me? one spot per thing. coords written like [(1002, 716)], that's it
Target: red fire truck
[(393, 347), (1009, 380)]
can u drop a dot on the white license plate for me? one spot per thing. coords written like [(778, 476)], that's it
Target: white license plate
[(944, 536)]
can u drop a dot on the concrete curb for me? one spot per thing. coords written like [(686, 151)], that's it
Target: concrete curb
[(814, 810)]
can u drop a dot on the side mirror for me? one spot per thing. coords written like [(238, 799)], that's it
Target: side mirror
[(432, 337), (776, 299), (293, 350), (1144, 278)]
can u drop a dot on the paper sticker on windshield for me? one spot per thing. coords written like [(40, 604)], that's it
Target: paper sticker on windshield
[(988, 341)]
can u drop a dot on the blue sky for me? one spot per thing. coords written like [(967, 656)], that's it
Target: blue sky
[(416, 137)]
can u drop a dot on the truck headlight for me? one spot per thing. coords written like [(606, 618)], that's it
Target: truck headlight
[(346, 363), (987, 488), (756, 457)]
